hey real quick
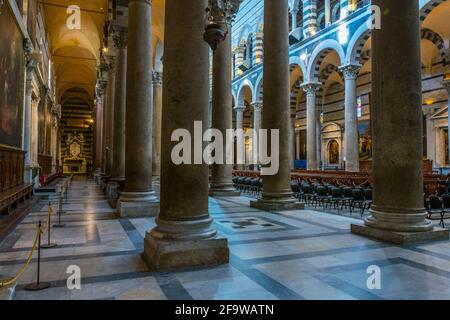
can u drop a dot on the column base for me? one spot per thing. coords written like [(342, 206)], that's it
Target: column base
[(277, 204), (224, 193), (138, 204), (400, 237), (113, 191), (175, 254)]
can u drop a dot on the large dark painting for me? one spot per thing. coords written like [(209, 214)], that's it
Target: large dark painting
[(11, 79)]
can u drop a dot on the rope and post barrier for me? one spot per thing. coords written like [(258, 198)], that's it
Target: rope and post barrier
[(48, 228), (60, 211), (38, 285)]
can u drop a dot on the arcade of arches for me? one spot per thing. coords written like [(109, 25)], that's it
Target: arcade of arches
[(93, 90)]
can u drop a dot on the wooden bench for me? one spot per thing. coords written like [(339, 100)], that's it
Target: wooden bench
[(10, 199)]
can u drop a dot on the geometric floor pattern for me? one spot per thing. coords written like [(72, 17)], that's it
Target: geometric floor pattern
[(300, 254)]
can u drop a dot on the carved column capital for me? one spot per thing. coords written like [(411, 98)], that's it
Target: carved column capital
[(238, 109), (257, 106), (311, 87), (120, 37), (446, 85), (350, 71), (157, 78)]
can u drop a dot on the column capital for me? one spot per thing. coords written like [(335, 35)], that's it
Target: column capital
[(157, 78), (239, 109), (257, 106), (350, 71), (311, 87), (446, 85), (120, 36), (110, 64)]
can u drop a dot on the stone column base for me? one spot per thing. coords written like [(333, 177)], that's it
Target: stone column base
[(224, 193), (112, 192), (277, 205), (138, 204), (400, 237), (167, 255)]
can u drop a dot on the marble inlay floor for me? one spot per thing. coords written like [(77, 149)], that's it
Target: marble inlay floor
[(281, 255)]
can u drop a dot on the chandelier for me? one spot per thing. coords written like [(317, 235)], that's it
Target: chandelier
[(219, 16)]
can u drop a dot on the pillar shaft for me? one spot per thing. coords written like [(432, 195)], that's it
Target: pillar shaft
[(351, 147), (397, 213), (157, 122), (327, 6), (184, 235), (222, 115), (311, 125), (27, 128), (277, 193), (138, 198), (109, 116), (446, 85), (118, 153)]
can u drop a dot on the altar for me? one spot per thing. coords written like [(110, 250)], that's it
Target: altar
[(74, 161)]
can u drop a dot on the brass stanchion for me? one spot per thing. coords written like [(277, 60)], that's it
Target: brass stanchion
[(49, 229), (60, 211), (38, 285)]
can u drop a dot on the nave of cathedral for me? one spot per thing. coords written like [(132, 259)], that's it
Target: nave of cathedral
[(108, 189)]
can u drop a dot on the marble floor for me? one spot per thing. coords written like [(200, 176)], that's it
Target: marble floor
[(280, 255)]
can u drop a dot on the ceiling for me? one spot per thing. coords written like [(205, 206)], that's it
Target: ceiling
[(76, 52)]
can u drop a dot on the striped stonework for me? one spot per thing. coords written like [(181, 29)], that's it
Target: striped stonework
[(426, 9), (309, 17), (435, 38), (258, 47)]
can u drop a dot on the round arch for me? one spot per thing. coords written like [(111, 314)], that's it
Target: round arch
[(356, 44), (319, 54)]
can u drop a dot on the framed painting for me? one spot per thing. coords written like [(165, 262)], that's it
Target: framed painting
[(11, 79)]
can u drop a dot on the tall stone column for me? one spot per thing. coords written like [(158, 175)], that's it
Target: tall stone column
[(240, 125), (184, 235), (99, 124), (109, 115), (138, 197), (157, 121), (327, 8), (27, 128), (311, 125), (351, 146), (120, 38), (294, 13), (257, 123), (222, 115), (397, 214), (446, 85), (277, 193)]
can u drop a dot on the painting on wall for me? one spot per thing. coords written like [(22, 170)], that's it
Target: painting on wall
[(11, 80), (365, 140)]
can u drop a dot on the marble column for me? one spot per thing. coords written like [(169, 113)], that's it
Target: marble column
[(277, 193), (109, 115), (294, 13), (184, 235), (351, 145), (446, 85), (222, 116), (312, 144), (397, 214), (99, 123), (27, 128), (138, 197), (431, 138), (103, 85), (240, 125), (120, 38), (157, 121), (327, 8), (257, 123)]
